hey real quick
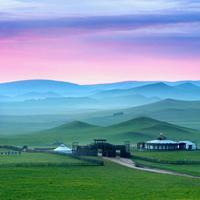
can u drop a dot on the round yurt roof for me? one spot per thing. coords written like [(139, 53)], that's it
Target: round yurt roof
[(63, 148), (187, 142)]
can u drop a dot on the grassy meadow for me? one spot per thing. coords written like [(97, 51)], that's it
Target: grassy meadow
[(34, 158), (193, 169), (173, 156), (111, 182), (170, 155)]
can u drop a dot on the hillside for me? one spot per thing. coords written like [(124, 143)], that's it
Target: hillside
[(184, 91), (135, 130), (184, 113)]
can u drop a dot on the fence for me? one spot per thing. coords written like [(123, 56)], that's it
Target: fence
[(85, 161), (176, 162)]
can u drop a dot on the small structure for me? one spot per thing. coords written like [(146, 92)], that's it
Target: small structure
[(118, 114), (62, 149), (187, 145), (163, 144)]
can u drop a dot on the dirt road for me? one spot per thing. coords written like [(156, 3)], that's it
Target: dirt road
[(129, 163)]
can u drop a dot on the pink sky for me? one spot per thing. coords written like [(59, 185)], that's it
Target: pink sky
[(93, 55)]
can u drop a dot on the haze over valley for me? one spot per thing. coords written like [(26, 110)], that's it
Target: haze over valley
[(35, 108)]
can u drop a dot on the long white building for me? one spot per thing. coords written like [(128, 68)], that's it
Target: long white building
[(162, 143)]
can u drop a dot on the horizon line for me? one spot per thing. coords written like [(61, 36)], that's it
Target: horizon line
[(98, 83)]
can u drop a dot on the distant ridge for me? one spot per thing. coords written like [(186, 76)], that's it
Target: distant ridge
[(134, 130), (139, 121), (75, 125), (188, 85), (156, 85)]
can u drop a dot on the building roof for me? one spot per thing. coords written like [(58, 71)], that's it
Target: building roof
[(186, 141), (63, 149), (161, 142)]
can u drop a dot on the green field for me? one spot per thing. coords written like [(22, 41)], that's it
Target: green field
[(170, 155), (162, 157), (135, 130), (35, 158), (184, 169), (111, 182)]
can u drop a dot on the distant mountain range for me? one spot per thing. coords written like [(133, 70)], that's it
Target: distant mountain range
[(56, 97), (40, 89), (99, 104)]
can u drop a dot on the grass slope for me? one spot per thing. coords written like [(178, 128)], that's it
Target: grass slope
[(135, 130), (183, 113)]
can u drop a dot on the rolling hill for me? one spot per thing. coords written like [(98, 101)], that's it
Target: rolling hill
[(28, 89), (134, 130), (22, 87), (185, 91), (184, 113), (100, 104)]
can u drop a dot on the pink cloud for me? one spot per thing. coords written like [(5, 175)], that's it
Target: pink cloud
[(77, 59)]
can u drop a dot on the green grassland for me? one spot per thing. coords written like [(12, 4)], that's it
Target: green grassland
[(36, 158), (135, 130), (111, 182), (193, 169), (170, 155), (162, 157)]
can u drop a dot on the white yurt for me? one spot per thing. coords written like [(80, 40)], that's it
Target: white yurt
[(63, 149), (189, 145)]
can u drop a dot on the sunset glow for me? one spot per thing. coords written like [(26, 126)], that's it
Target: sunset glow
[(129, 40)]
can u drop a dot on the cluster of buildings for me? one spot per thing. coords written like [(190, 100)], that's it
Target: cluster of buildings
[(163, 144), (99, 147), (110, 150)]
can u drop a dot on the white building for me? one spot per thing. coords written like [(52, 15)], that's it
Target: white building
[(188, 145), (162, 143), (62, 149)]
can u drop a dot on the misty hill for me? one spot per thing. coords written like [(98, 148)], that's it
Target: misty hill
[(41, 86), (152, 127), (37, 89), (188, 85), (134, 130), (47, 106), (186, 91), (185, 113), (75, 125), (62, 98), (37, 95), (119, 85)]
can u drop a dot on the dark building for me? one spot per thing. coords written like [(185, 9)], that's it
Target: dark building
[(103, 148)]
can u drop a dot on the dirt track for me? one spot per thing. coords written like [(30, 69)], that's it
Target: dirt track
[(129, 163)]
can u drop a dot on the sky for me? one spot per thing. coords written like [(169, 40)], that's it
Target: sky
[(94, 41)]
